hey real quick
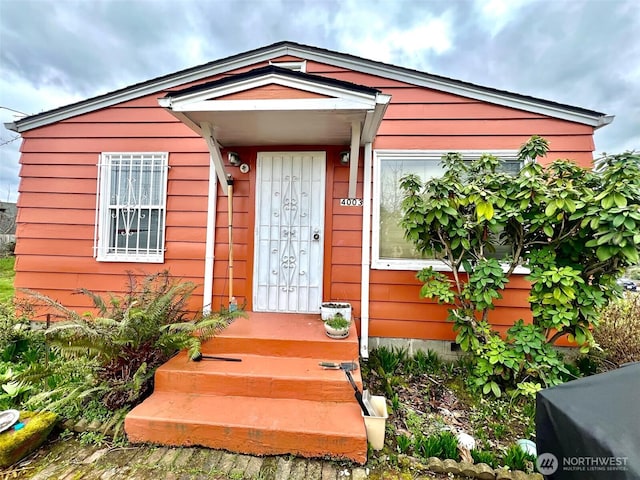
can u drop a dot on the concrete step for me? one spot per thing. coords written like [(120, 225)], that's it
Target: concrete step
[(251, 425), (277, 400), (257, 376), (283, 335)]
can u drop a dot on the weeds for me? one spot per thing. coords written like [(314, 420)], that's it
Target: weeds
[(442, 445), (484, 456), (422, 363), (389, 359), (618, 332), (518, 459), (404, 443)]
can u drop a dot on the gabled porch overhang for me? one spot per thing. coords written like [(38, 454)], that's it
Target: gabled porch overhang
[(303, 109)]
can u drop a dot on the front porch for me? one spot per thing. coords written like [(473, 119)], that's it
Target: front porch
[(276, 400)]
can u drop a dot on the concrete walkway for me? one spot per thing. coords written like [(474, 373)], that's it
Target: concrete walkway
[(68, 459)]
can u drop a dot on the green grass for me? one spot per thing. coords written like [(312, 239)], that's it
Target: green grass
[(6, 278)]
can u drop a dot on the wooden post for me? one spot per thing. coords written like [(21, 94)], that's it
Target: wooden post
[(230, 213)]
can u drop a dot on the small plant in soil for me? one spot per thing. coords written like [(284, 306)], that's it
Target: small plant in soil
[(484, 456), (404, 443), (338, 322), (518, 459)]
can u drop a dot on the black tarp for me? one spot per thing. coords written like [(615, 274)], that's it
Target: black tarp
[(590, 427)]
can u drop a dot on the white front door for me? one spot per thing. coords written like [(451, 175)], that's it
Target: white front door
[(289, 235)]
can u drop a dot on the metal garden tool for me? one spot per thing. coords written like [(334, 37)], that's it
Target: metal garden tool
[(199, 357), (351, 366), (358, 394)]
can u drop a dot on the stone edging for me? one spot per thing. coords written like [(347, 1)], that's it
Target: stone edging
[(481, 471), (83, 425)]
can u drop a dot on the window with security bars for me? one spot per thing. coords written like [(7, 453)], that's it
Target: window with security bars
[(390, 249), (131, 207)]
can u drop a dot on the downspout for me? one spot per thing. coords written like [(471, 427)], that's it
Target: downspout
[(366, 247), (210, 240)]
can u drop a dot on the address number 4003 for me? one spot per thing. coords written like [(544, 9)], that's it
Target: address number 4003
[(350, 202)]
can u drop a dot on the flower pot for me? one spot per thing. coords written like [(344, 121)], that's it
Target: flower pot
[(330, 309), (336, 333)]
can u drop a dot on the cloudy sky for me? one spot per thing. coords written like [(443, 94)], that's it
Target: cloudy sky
[(580, 52)]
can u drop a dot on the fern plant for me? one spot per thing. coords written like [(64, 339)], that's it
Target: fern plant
[(120, 345)]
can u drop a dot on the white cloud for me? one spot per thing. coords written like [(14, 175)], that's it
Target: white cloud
[(385, 42), (495, 14), (579, 52)]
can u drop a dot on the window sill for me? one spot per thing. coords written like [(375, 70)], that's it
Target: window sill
[(131, 258), (417, 265)]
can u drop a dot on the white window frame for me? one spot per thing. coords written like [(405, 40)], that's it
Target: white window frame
[(102, 232), (379, 156)]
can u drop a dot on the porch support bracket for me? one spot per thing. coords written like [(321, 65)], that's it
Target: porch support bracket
[(214, 150), (353, 157)]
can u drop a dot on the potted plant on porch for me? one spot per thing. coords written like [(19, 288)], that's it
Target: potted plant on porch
[(337, 326)]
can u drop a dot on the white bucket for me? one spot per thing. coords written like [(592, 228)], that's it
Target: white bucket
[(375, 425)]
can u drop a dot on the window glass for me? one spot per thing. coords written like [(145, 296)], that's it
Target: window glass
[(392, 241), (390, 248)]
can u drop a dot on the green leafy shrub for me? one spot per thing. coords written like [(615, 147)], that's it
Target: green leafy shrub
[(633, 272), (574, 229), (20, 346), (618, 331), (113, 353)]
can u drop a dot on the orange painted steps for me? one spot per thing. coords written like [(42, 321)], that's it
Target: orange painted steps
[(257, 375), (283, 335), (251, 425), (277, 400)]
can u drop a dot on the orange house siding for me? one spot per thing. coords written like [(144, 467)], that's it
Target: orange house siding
[(58, 199), (420, 118)]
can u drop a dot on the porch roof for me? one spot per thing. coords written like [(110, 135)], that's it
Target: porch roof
[(305, 110), (325, 114)]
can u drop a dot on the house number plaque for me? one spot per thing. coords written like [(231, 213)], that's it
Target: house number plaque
[(350, 202)]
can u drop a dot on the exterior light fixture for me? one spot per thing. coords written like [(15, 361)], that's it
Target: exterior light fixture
[(234, 159), (344, 158)]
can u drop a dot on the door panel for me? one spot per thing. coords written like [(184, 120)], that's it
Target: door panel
[(289, 232)]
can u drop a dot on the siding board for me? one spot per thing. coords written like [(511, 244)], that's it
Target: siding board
[(557, 144), (542, 126), (115, 130), (455, 111), (58, 200)]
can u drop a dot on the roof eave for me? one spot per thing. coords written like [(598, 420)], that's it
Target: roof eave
[(194, 74), (605, 120)]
